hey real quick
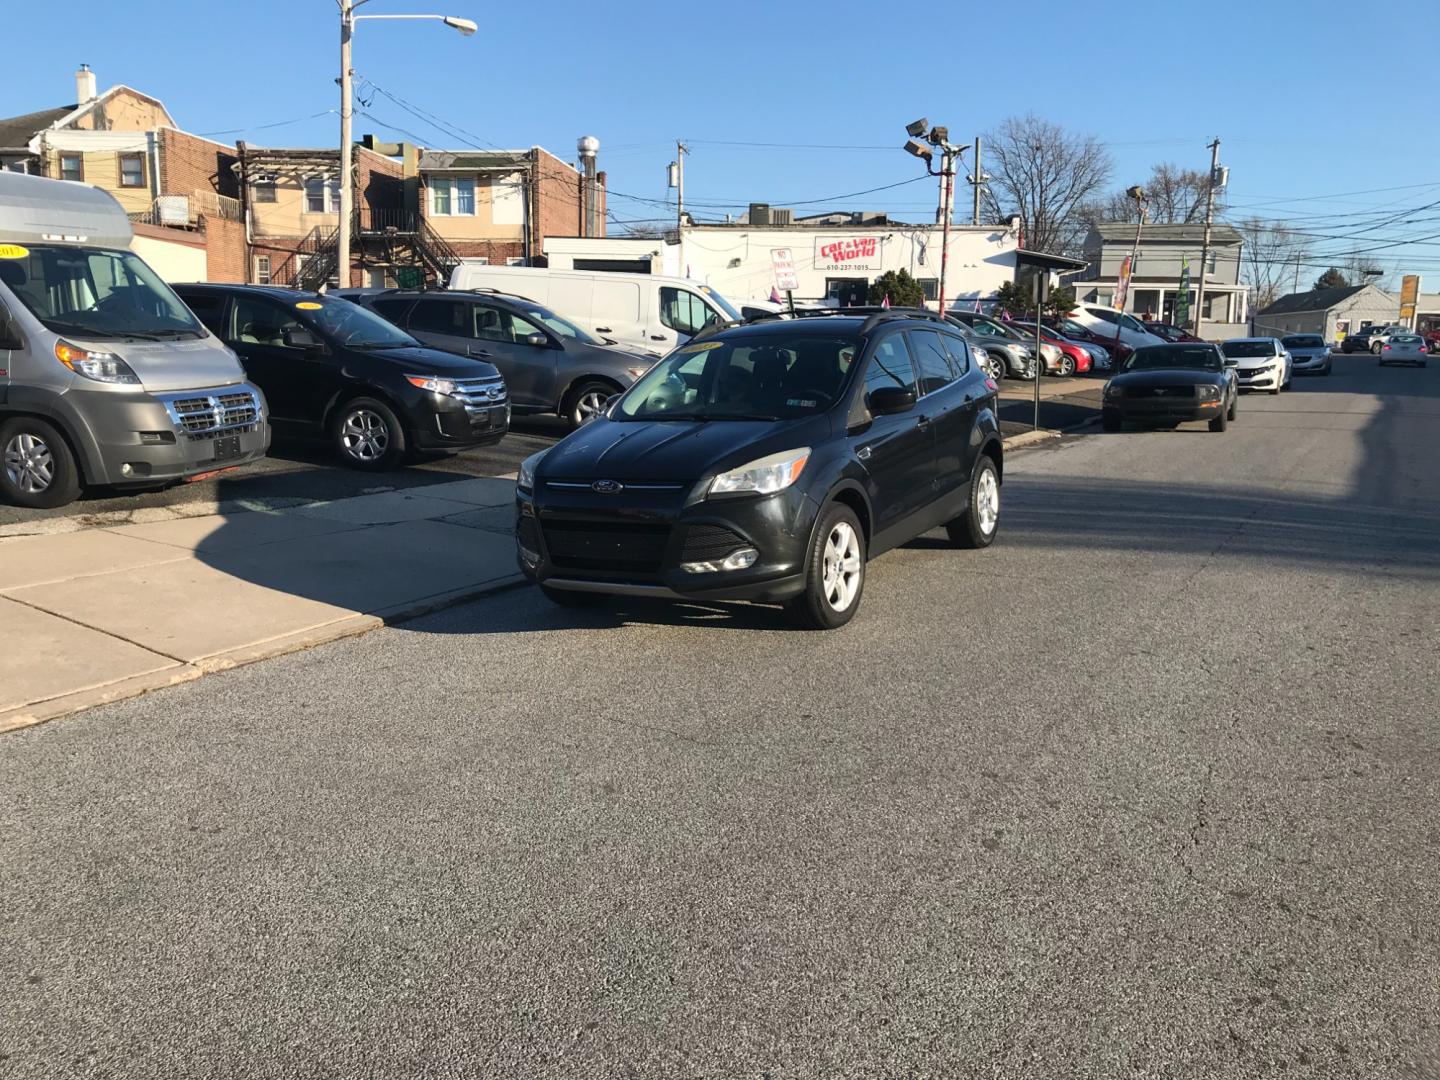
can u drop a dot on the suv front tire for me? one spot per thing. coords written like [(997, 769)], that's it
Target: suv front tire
[(834, 574)]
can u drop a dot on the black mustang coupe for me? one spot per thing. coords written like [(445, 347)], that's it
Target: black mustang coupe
[(1166, 385)]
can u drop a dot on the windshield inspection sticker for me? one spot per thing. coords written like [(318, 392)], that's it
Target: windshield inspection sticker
[(801, 403), (309, 305), (702, 346), (13, 251)]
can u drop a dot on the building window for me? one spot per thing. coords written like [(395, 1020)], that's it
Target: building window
[(322, 196), (132, 170), (514, 260), (262, 269), (452, 198), (72, 167), (930, 287), (263, 189)]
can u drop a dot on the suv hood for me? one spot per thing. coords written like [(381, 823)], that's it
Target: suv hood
[(419, 360), (181, 364), (672, 450)]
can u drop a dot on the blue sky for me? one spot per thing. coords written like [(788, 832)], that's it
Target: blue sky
[(1306, 135)]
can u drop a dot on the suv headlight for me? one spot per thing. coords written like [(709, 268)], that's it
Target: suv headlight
[(525, 478), (103, 367), (431, 383), (763, 476)]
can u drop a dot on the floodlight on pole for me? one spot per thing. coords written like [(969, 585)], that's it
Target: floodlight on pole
[(920, 150), (939, 139), (918, 128)]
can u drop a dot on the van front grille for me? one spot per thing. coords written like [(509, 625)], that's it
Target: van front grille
[(201, 416)]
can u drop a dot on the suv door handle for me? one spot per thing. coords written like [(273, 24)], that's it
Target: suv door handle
[(472, 351), (922, 422)]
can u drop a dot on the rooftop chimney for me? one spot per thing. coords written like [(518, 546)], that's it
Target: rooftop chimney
[(84, 85)]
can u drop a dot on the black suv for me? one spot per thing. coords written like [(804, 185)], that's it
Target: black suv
[(330, 367), (549, 363), (768, 462)]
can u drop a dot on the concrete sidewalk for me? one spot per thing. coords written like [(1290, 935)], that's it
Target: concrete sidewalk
[(101, 609), (96, 614)]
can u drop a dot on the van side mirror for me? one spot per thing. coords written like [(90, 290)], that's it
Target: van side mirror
[(889, 400), (297, 337), (9, 333)]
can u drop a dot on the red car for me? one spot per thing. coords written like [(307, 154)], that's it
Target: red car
[(1075, 331), (1073, 359), (1171, 333)]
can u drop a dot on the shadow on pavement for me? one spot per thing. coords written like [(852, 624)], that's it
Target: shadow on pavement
[(1387, 524)]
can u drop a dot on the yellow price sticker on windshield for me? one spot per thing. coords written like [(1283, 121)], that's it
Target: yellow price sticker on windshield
[(309, 305), (13, 251), (702, 346)]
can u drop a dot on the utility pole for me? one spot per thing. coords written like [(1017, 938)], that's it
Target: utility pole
[(680, 151), (977, 178), (948, 155), (1205, 246), (347, 193)]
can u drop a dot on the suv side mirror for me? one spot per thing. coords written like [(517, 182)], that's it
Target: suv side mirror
[(1231, 362), (537, 340), (297, 337), (889, 400), (9, 334)]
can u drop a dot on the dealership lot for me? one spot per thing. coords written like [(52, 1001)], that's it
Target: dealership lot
[(1150, 780)]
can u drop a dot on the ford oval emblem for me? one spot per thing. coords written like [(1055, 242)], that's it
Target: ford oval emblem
[(607, 487)]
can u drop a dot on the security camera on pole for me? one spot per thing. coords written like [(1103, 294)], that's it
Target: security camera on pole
[(939, 138)]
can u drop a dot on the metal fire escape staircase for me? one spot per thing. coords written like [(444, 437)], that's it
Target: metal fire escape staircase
[(389, 240)]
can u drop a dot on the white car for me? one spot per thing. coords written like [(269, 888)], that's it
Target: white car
[(1107, 322), (1403, 348), (1261, 363)]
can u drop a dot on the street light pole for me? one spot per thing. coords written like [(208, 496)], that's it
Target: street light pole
[(348, 19), (939, 138)]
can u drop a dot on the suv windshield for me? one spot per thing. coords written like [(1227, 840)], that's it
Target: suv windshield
[(1172, 357), (349, 324), (777, 376), (1246, 350), (95, 293), (1303, 341), (563, 327)]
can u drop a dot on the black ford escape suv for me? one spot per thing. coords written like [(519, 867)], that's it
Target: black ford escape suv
[(768, 462)]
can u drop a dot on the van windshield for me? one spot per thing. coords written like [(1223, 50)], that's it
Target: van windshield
[(720, 302), (777, 376), (96, 293)]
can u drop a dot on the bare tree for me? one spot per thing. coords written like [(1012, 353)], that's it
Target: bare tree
[(1273, 255), (1044, 174), (1174, 196)]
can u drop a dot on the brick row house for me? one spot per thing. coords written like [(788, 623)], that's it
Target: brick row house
[(209, 211), (179, 189)]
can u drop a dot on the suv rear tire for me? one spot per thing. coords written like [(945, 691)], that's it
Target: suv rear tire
[(977, 526), (367, 435), (37, 469), (585, 401), (834, 572)]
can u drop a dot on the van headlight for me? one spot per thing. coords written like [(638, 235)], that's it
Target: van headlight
[(525, 478), (103, 367), (763, 476)]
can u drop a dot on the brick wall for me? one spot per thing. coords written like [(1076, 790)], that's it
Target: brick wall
[(559, 199), (189, 164), (497, 251), (224, 250)]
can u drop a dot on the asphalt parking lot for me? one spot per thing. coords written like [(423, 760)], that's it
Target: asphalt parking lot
[(1147, 789)]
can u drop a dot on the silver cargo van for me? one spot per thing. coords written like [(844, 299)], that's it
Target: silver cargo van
[(105, 375)]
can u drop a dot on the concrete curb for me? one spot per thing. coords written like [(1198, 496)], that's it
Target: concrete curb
[(351, 626), (1030, 438)]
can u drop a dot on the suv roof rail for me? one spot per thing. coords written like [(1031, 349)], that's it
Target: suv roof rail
[(883, 315)]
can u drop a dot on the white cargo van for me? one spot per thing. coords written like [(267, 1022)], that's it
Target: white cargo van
[(105, 375), (638, 311)]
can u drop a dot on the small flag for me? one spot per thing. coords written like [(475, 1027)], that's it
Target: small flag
[(885, 302), (1182, 297), (687, 269), (977, 301), (774, 295)]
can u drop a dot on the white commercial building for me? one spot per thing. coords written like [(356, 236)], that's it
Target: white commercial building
[(835, 262)]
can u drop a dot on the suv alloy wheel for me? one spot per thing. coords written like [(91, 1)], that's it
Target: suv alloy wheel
[(835, 572)]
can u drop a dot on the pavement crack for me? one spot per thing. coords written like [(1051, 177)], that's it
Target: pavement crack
[(96, 629)]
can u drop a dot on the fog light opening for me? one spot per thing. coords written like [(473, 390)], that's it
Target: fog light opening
[(736, 560), (532, 558)]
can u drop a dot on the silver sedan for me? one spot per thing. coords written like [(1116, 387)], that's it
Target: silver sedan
[(1403, 349)]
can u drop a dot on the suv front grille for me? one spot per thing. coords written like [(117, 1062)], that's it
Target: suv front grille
[(201, 416), (480, 393), (709, 543), (619, 547)]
